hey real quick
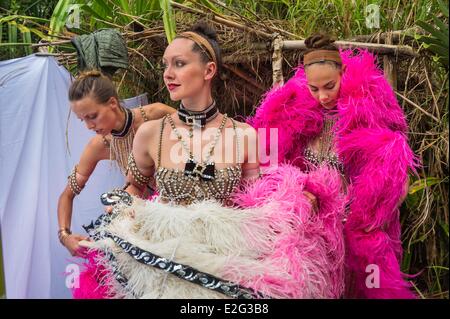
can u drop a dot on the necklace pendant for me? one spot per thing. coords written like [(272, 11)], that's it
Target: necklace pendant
[(205, 172), (191, 132)]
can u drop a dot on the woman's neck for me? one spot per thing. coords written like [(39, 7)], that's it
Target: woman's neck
[(197, 104), (120, 122)]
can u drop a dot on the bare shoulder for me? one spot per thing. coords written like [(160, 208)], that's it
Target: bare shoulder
[(98, 143), (244, 126), (95, 151), (157, 110), (149, 128)]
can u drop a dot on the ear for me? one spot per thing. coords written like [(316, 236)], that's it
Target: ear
[(344, 67), (113, 102), (210, 70)]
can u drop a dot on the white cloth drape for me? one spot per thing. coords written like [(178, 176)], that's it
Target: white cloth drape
[(34, 165)]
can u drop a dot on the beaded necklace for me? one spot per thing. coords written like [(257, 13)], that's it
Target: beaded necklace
[(206, 169)]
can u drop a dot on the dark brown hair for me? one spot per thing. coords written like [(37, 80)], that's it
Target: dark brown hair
[(94, 84), (209, 33), (321, 41)]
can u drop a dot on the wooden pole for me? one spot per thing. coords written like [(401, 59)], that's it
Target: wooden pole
[(374, 47), (277, 62), (389, 66)]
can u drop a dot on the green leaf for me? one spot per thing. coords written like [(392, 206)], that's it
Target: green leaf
[(429, 41), (444, 227), (422, 183), (26, 38), (443, 33), (208, 4), (12, 36), (168, 20), (443, 8), (16, 18), (39, 33), (12, 31), (59, 17)]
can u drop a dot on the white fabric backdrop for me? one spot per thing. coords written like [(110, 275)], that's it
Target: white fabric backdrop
[(34, 165)]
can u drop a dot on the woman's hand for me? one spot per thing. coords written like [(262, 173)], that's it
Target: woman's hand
[(312, 200), (108, 209), (71, 242)]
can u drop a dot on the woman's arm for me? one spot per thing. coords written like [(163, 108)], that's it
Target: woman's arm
[(142, 166), (156, 111), (249, 137), (92, 154)]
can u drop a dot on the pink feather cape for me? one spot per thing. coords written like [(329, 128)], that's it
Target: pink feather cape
[(373, 146)]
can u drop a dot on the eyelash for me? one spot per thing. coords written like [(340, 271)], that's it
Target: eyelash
[(178, 64), (328, 88)]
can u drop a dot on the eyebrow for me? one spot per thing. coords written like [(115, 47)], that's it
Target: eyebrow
[(175, 56), (326, 84)]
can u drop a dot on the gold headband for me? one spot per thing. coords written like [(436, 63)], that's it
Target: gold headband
[(201, 42), (321, 56)]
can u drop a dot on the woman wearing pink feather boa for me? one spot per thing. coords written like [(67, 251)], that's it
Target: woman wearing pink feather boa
[(215, 230), (339, 111)]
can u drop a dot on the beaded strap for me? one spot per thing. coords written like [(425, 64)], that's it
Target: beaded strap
[(73, 184), (106, 142), (137, 175), (160, 139), (144, 116), (237, 142)]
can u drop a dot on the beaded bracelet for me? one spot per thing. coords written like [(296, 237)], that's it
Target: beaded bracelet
[(63, 233), (73, 184), (137, 175)]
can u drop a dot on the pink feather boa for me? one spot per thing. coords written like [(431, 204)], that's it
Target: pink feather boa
[(93, 280), (309, 246), (373, 146)]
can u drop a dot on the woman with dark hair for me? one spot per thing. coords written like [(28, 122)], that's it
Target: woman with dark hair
[(338, 111), (94, 100)]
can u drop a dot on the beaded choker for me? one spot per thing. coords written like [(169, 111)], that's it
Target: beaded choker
[(198, 119), (127, 126)]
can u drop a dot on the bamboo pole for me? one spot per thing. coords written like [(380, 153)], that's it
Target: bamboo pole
[(45, 44), (389, 66), (378, 48), (380, 37), (277, 62)]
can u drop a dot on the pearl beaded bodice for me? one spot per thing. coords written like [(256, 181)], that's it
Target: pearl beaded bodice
[(176, 187)]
